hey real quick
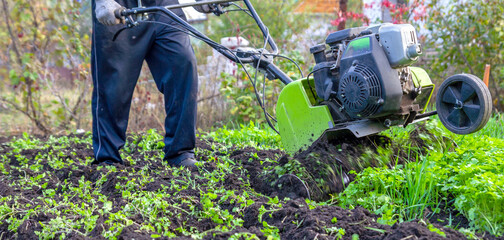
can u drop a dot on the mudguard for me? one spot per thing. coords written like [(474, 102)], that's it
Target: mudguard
[(422, 80), (300, 120)]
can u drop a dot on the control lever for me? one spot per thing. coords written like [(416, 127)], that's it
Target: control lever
[(140, 16)]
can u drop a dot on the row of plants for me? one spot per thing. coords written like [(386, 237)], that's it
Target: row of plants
[(462, 173), (47, 185), (50, 183)]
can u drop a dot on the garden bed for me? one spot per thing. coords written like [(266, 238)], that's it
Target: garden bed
[(48, 189)]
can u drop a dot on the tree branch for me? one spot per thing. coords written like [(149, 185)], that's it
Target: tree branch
[(7, 21), (19, 109)]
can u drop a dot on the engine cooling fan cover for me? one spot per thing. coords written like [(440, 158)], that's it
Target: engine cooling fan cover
[(360, 91)]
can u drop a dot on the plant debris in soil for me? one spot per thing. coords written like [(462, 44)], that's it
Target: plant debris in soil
[(324, 169), (49, 189)]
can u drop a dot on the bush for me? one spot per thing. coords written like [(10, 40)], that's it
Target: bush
[(283, 25), (278, 16), (239, 91), (45, 46), (467, 35)]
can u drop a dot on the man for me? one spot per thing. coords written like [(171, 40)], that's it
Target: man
[(116, 67)]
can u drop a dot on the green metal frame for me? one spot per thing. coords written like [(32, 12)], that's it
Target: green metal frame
[(421, 79), (300, 121)]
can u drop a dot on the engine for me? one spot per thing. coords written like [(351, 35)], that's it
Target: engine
[(365, 72)]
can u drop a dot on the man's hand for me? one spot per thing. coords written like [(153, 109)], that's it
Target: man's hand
[(203, 8), (105, 12)]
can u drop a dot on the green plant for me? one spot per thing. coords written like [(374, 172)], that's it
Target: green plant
[(241, 95), (271, 232), (239, 88), (49, 182), (471, 175), (274, 205), (251, 134), (337, 232), (475, 178), (494, 127), (400, 194), (151, 141), (217, 215), (436, 230)]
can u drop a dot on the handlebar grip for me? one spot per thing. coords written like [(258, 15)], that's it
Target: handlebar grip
[(278, 74), (119, 13)]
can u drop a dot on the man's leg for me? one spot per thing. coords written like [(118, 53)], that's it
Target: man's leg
[(115, 67), (173, 64)]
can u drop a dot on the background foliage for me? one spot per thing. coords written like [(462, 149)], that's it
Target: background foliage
[(285, 27), (467, 35), (44, 50), (45, 47), (278, 16)]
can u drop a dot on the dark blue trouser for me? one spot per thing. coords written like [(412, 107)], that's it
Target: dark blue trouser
[(116, 67)]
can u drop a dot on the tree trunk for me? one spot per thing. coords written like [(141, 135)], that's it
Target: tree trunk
[(343, 9)]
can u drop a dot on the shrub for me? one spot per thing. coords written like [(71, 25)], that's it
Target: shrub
[(45, 45), (467, 35)]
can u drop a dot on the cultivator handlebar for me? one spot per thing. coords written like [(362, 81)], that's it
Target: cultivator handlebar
[(259, 58)]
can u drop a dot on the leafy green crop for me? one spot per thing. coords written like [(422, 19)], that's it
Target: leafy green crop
[(252, 135), (472, 174), (475, 176)]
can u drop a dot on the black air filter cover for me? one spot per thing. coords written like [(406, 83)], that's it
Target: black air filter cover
[(360, 91), (368, 87)]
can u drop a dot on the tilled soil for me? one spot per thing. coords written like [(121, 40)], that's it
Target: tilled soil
[(295, 218)]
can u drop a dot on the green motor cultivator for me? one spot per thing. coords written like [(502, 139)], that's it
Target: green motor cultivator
[(364, 84), (363, 81)]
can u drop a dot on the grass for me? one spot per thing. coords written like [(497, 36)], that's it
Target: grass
[(7, 126), (494, 128), (251, 135), (469, 177)]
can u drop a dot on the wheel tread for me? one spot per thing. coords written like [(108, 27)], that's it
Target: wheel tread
[(484, 96)]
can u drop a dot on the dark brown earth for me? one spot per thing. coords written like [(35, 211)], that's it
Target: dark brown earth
[(295, 219), (324, 167), (329, 162)]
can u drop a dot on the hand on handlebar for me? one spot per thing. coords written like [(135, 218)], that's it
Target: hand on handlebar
[(105, 12), (204, 8)]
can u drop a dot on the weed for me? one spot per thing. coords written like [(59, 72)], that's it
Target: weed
[(252, 135), (472, 174), (338, 233), (436, 230), (245, 236)]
